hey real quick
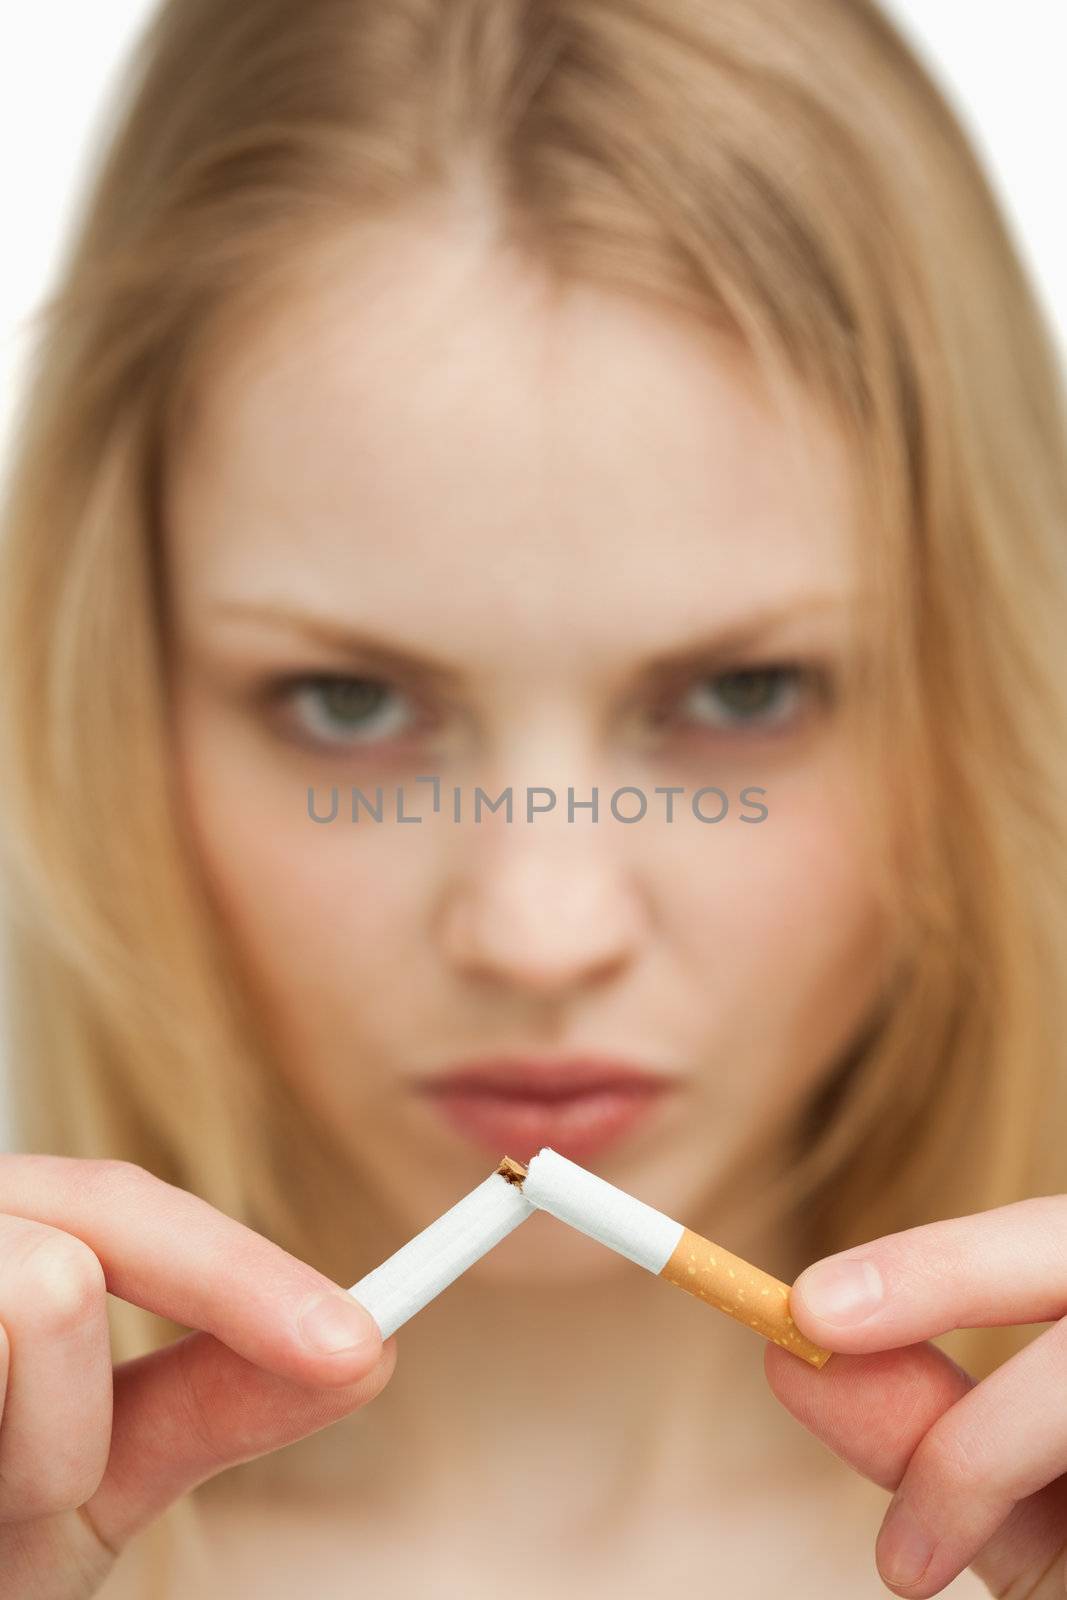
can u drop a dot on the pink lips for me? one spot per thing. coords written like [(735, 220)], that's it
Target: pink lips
[(513, 1107)]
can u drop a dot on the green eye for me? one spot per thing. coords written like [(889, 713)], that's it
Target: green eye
[(351, 698), (360, 706), (746, 696)]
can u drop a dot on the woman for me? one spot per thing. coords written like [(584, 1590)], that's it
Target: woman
[(627, 397)]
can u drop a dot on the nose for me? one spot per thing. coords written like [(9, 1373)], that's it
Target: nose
[(543, 916)]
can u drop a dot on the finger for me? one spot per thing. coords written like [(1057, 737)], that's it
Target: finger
[(1003, 1442), (5, 1364), (1001, 1266), (874, 1412), (870, 1410), (184, 1413), (171, 1252), (56, 1423)]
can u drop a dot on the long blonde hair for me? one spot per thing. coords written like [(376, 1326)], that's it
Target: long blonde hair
[(787, 172)]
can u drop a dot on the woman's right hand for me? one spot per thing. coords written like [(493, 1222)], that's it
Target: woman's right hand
[(90, 1454)]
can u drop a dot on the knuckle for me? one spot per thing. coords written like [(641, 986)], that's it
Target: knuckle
[(85, 1475), (66, 1280), (197, 1412), (63, 1487), (64, 1478), (950, 1455), (120, 1176), (113, 1182)]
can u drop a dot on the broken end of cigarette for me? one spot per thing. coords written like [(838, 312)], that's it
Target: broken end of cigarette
[(692, 1262), (513, 1171)]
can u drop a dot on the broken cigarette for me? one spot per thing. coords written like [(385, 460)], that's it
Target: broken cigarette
[(417, 1272), (667, 1248)]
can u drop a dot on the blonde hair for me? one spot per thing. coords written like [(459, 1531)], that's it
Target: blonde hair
[(786, 172)]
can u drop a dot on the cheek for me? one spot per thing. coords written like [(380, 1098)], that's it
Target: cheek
[(834, 935), (317, 913), (809, 888), (783, 920)]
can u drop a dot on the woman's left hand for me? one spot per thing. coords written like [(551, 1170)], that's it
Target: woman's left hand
[(979, 1468)]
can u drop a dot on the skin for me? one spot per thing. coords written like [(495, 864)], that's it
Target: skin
[(586, 482), (77, 1485), (591, 485), (977, 1468)]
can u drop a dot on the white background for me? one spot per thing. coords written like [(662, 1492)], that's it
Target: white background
[(1002, 67)]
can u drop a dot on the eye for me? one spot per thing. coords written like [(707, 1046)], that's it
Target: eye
[(764, 697), (344, 710)]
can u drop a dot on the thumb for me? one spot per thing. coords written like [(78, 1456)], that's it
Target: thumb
[(186, 1412)]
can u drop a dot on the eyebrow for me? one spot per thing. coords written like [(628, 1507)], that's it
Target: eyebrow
[(739, 634)]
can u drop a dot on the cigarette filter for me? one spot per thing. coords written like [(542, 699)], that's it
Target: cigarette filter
[(434, 1258), (663, 1246)]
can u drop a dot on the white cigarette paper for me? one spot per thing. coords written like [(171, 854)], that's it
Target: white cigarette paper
[(417, 1272), (667, 1248)]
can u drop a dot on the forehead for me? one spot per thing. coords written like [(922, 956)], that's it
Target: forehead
[(420, 420)]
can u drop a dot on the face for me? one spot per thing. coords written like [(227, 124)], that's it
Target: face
[(434, 520)]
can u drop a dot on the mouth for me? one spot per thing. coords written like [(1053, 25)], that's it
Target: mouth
[(577, 1107)]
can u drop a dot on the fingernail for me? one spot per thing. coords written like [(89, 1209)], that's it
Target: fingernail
[(842, 1292), (904, 1548), (336, 1322)]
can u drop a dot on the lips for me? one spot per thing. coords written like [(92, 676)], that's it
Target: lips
[(514, 1107)]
